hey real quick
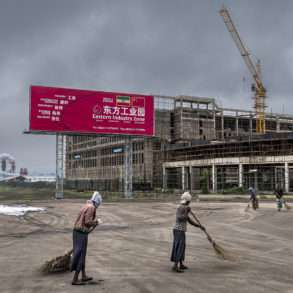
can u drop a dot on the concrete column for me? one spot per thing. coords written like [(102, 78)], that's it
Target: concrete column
[(222, 125), (164, 179), (183, 177), (236, 126), (255, 180), (240, 168), (191, 178), (286, 177), (278, 124), (214, 178), (250, 125), (214, 118)]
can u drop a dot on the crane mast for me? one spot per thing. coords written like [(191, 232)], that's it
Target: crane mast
[(255, 71)]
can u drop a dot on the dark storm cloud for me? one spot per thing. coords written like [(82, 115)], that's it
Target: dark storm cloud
[(166, 47)]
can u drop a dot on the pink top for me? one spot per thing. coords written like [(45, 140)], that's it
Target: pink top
[(86, 218)]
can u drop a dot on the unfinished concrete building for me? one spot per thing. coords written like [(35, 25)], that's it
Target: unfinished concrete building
[(263, 162), (183, 125)]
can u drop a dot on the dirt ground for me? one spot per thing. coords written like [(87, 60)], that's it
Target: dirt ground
[(130, 251)]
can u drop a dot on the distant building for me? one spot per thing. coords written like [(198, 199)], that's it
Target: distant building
[(40, 178), (7, 163), (184, 125), (29, 179), (23, 172)]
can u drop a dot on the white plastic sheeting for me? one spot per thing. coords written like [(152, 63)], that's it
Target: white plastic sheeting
[(18, 210)]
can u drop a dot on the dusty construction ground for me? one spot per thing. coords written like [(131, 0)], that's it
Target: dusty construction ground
[(130, 251)]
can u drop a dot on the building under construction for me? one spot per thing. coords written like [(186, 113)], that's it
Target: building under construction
[(197, 145)]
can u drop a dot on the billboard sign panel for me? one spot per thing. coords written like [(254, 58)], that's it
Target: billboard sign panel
[(62, 110)]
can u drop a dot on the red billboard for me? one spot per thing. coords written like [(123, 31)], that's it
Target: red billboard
[(62, 110)]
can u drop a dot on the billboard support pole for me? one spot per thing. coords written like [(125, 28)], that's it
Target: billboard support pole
[(59, 194), (128, 168)]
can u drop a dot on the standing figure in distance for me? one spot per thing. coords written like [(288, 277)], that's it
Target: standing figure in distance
[(279, 197), (253, 198)]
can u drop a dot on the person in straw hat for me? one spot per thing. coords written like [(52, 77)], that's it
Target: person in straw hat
[(179, 243), (85, 222)]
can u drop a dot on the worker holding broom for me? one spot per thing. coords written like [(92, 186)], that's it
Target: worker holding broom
[(84, 224), (179, 243), (253, 198), (279, 197)]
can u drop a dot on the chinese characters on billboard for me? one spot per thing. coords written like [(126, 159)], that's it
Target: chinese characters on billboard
[(90, 112)]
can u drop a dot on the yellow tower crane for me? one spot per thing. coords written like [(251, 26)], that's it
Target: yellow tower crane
[(255, 70)]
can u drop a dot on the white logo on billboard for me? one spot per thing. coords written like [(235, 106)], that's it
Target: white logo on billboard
[(141, 112), (107, 100)]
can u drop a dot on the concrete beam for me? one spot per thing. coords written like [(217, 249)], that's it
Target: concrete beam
[(258, 160)]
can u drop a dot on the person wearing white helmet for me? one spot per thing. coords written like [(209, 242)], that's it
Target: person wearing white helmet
[(179, 243), (85, 223)]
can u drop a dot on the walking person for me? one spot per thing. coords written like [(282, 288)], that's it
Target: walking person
[(179, 243), (85, 223)]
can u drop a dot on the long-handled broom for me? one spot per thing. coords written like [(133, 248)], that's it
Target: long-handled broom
[(247, 208), (287, 206), (220, 252), (60, 263)]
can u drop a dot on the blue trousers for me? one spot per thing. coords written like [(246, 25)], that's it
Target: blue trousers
[(79, 251)]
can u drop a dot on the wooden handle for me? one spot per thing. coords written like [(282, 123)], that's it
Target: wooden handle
[(92, 228), (207, 234), (195, 217)]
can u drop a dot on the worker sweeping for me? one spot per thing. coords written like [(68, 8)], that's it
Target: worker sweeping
[(253, 198), (85, 223), (179, 243), (279, 198)]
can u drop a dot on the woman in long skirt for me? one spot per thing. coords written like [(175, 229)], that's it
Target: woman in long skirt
[(179, 243)]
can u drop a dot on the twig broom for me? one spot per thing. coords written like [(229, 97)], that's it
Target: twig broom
[(60, 263), (287, 206), (220, 252), (247, 208)]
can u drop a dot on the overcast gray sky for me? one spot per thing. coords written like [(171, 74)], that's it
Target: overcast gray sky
[(167, 47)]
